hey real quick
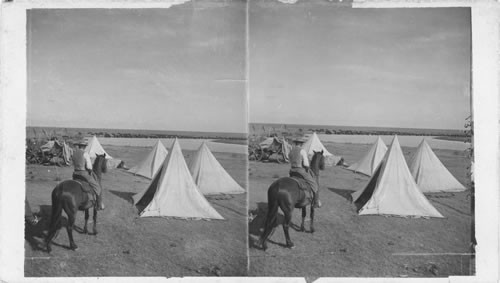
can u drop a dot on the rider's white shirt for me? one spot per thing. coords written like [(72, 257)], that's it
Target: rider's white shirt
[(305, 158), (88, 162)]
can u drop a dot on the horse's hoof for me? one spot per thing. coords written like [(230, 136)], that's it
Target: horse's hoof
[(74, 248), (262, 245), (302, 229), (290, 246)]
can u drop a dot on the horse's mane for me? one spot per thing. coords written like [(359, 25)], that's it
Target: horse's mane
[(100, 163), (317, 162)]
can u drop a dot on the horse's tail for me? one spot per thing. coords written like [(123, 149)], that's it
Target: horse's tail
[(272, 213), (55, 218), (272, 206)]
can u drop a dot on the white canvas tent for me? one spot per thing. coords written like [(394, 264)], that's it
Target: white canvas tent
[(173, 193), (152, 163), (371, 160), (314, 144), (430, 174), (94, 147), (210, 176), (392, 189)]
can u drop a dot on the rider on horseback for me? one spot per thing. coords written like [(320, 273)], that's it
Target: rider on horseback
[(300, 168), (83, 170)]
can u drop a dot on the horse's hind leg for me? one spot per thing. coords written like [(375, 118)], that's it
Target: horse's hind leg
[(268, 231), (312, 218), (85, 230), (286, 225), (71, 212), (94, 217), (304, 214), (50, 237)]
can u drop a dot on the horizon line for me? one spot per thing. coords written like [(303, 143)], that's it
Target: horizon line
[(119, 128), (324, 125)]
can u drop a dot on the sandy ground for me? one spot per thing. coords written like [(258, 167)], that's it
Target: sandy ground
[(131, 246), (346, 244)]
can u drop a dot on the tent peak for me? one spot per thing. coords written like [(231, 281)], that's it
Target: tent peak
[(392, 190), (173, 192), (210, 176)]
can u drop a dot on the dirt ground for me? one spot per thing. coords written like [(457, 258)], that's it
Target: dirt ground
[(128, 245), (346, 244)]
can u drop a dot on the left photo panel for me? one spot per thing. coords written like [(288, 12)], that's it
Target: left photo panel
[(136, 142)]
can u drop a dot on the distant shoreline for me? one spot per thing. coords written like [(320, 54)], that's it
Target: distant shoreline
[(452, 138), (48, 133), (69, 133), (294, 129)]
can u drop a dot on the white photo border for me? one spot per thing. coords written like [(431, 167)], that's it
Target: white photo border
[(485, 17)]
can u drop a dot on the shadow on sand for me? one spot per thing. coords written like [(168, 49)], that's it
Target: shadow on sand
[(35, 234), (124, 195), (256, 225), (347, 194)]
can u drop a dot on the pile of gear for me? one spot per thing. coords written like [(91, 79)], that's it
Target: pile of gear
[(53, 152), (271, 149)]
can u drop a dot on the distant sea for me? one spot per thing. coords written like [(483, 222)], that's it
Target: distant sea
[(258, 128), (255, 128), (45, 132), (236, 142)]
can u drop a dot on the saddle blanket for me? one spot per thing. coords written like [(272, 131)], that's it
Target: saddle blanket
[(306, 188), (87, 189)]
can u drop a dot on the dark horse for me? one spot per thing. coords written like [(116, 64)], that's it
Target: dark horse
[(70, 196), (286, 194)]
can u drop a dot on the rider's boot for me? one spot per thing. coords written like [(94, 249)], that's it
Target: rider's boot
[(100, 205), (317, 202)]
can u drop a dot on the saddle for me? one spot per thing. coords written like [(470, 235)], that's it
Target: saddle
[(303, 185), (92, 196), (306, 188)]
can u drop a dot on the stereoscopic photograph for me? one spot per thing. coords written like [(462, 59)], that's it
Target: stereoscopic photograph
[(246, 138), (360, 141), (136, 156)]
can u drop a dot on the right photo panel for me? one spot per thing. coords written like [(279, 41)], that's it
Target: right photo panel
[(359, 141)]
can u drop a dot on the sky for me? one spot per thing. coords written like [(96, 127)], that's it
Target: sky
[(313, 62), (181, 68), (317, 63)]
